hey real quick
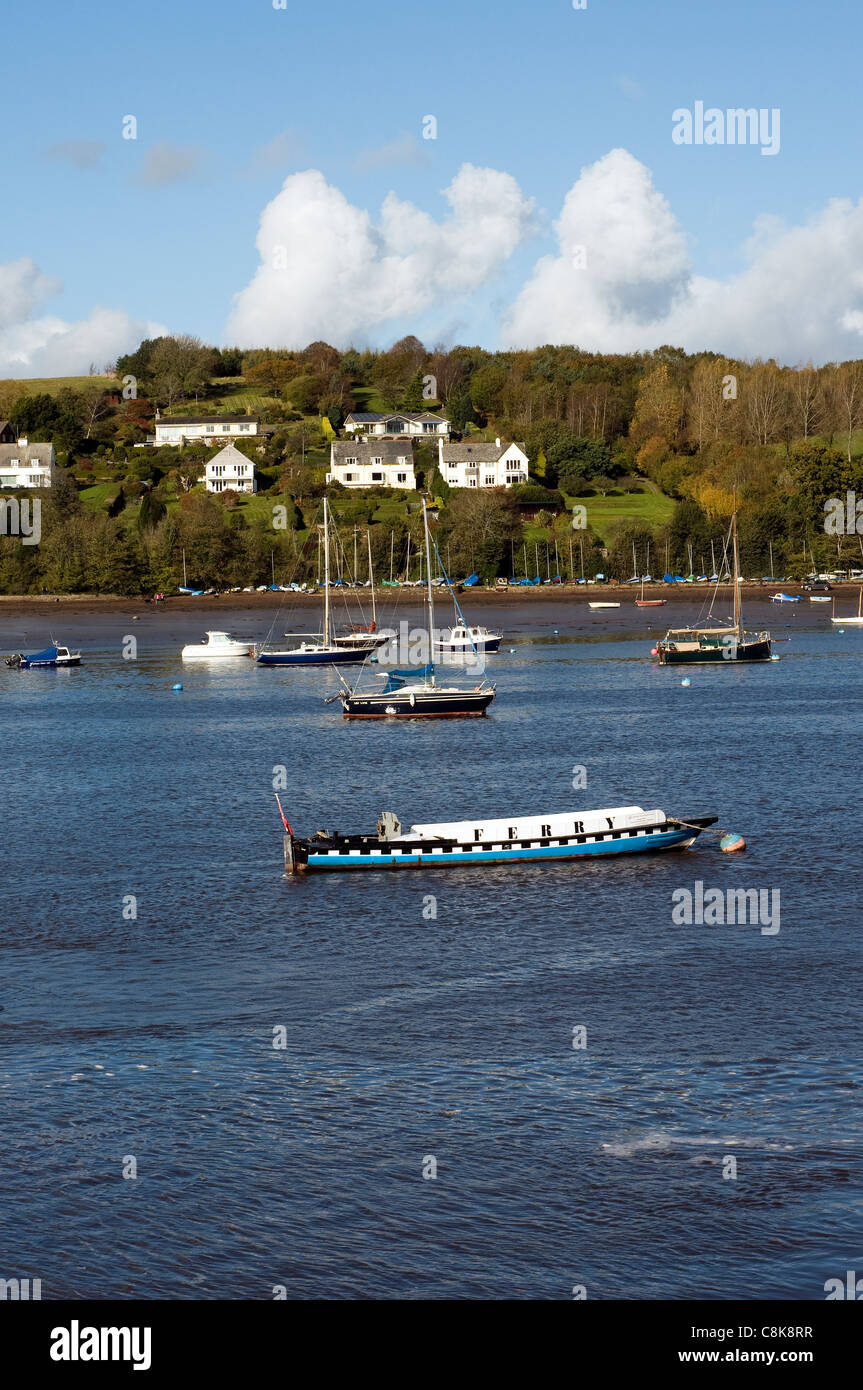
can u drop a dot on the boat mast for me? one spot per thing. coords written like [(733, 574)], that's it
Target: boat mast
[(392, 543), (185, 580), (429, 586), (736, 565), (372, 581), (326, 578)]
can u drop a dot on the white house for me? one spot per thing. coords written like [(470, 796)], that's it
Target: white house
[(27, 465), (230, 469), (480, 464), (372, 463), (397, 424), (204, 429)]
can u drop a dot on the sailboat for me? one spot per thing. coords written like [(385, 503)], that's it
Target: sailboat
[(850, 622), (315, 650), (413, 694), (366, 636), (691, 645), (184, 587)]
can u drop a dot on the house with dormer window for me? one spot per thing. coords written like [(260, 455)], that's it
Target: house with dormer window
[(372, 463), (397, 424)]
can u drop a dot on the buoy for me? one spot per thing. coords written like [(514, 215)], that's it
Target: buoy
[(654, 651), (374, 659), (555, 632), (512, 649), (731, 842), (686, 681), (177, 686)]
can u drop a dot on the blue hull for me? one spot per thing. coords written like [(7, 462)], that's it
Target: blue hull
[(337, 658), (410, 858)]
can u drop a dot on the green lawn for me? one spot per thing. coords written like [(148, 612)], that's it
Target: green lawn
[(605, 514), (96, 496), (50, 385)]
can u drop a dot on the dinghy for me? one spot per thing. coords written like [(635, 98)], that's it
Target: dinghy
[(507, 840)]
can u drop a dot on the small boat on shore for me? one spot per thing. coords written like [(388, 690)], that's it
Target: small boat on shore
[(785, 598), (603, 605), (215, 646), (507, 840), (51, 657)]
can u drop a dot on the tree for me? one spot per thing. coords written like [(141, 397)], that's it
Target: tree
[(658, 408)]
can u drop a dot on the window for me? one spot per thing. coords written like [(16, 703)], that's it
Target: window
[(512, 463), (471, 482), (401, 477), (210, 429), (349, 462), (376, 461), (452, 464), (489, 482), (226, 429), (244, 429), (429, 427), (350, 477), (377, 477)]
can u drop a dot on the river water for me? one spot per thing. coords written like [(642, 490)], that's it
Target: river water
[(153, 951)]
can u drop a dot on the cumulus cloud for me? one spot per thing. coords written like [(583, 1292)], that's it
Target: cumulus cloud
[(45, 345), (622, 279), (81, 154), (167, 163), (328, 272)]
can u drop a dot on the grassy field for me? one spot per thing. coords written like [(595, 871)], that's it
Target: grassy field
[(606, 514), (50, 385)]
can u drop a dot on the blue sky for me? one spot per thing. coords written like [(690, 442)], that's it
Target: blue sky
[(537, 91)]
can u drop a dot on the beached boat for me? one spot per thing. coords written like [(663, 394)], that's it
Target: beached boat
[(506, 840), (851, 622), (785, 598), (316, 650), (649, 602), (603, 605), (695, 645), (215, 646), (820, 598), (51, 657), (415, 694)]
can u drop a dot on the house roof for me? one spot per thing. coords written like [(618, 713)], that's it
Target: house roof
[(480, 452), (207, 420), (389, 450), (230, 455), (372, 417), (26, 453)]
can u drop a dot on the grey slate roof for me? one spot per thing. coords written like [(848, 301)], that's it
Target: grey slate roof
[(208, 420), (389, 450), (372, 418), (26, 454), (480, 452)]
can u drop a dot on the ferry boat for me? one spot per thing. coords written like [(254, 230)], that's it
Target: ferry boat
[(51, 657), (215, 646), (507, 840), (688, 646)]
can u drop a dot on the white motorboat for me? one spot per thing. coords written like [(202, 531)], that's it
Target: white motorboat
[(467, 639), (215, 646), (603, 605)]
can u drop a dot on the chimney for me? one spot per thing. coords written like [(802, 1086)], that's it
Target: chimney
[(22, 440), (497, 443)]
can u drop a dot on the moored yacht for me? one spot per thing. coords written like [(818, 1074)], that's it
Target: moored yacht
[(215, 646)]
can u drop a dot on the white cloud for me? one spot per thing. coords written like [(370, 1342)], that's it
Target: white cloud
[(328, 272), (799, 297), (50, 346)]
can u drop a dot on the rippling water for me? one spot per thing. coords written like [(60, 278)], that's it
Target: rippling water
[(409, 1036)]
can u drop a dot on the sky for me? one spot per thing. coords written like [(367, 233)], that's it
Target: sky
[(508, 175)]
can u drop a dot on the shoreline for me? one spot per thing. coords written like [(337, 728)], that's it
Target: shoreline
[(578, 597)]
